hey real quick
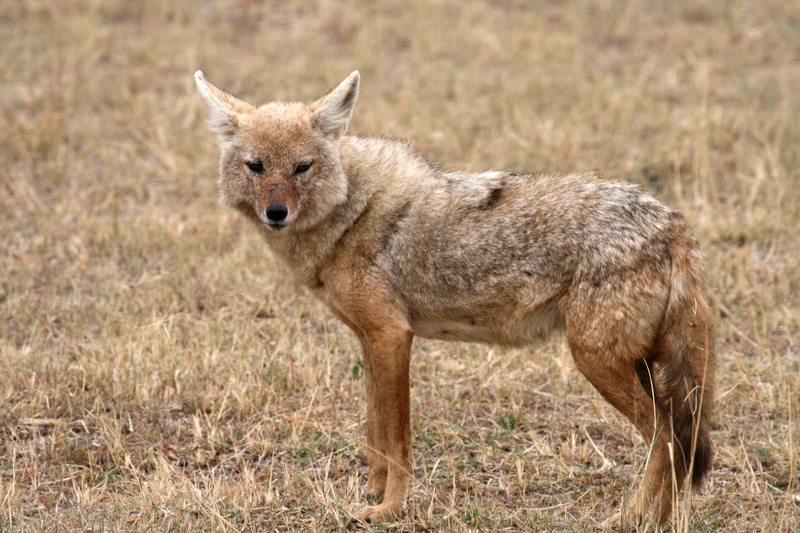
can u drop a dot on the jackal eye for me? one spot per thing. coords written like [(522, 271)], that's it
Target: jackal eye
[(302, 168), (255, 166)]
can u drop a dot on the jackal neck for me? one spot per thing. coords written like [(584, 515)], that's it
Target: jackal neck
[(380, 175)]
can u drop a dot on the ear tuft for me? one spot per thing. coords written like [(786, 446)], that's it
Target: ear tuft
[(224, 109), (333, 111)]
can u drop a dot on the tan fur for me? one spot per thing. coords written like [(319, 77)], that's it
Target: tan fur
[(398, 248)]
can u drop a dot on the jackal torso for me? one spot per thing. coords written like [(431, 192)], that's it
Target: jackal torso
[(481, 257)]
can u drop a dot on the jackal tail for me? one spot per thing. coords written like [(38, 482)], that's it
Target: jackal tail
[(685, 360)]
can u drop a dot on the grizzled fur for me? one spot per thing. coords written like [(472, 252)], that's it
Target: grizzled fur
[(398, 248)]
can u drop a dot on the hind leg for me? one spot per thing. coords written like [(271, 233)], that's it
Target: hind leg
[(615, 377)]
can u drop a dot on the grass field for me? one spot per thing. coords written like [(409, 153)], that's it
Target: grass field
[(160, 371)]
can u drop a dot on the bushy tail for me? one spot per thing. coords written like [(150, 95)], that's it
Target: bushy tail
[(685, 359)]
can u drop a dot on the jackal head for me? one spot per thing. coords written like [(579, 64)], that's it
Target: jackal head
[(280, 162)]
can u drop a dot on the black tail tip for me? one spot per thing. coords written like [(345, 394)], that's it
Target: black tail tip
[(703, 457)]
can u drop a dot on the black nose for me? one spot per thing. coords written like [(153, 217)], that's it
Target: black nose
[(277, 212)]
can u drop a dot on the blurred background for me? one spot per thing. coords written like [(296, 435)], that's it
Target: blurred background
[(160, 371)]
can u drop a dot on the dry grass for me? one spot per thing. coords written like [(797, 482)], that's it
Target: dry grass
[(160, 372)]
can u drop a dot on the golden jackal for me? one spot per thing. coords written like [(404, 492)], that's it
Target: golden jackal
[(396, 248)]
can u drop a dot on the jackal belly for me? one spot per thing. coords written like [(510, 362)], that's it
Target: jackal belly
[(508, 327)]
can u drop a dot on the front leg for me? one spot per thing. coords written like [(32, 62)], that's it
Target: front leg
[(386, 370), (369, 306), (378, 466)]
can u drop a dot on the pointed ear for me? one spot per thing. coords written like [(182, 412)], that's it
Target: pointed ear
[(332, 112), (225, 109)]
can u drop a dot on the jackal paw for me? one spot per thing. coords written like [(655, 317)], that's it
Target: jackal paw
[(612, 522), (376, 514), (374, 496), (375, 491), (620, 521)]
